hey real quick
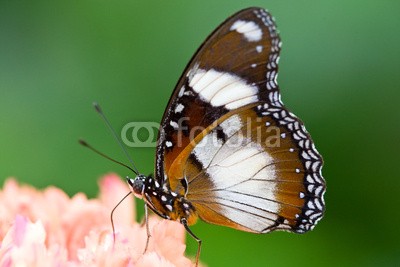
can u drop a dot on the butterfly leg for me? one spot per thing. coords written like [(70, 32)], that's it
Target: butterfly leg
[(146, 215), (112, 216), (184, 222)]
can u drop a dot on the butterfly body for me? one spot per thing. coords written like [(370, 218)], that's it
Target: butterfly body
[(162, 200)]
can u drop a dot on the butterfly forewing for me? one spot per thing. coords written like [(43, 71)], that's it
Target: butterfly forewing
[(248, 162), (228, 71)]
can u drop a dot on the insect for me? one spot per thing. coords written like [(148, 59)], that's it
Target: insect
[(229, 152)]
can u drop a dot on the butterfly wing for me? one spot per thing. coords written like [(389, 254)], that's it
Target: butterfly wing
[(257, 171), (245, 45), (228, 96)]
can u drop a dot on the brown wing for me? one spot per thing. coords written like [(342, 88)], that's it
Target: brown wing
[(236, 66), (257, 171)]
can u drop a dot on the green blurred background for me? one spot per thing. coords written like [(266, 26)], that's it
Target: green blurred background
[(339, 72)]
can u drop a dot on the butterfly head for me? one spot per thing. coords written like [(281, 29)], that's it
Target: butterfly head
[(137, 184)]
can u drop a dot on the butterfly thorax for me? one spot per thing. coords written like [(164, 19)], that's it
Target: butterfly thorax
[(162, 200)]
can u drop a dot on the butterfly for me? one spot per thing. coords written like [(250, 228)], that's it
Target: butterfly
[(228, 151)]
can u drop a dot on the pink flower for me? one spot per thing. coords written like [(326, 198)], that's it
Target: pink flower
[(47, 228)]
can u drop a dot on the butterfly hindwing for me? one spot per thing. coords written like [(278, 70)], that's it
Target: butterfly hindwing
[(253, 177)]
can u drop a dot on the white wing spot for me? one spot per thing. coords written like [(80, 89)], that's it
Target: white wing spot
[(259, 48), (168, 143), (181, 91), (179, 108), (174, 124), (222, 88), (250, 30)]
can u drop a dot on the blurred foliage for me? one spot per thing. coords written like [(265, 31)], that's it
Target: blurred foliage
[(338, 72)]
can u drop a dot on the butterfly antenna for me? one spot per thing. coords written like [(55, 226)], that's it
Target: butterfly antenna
[(85, 144), (99, 110)]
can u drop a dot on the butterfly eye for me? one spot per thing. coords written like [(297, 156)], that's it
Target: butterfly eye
[(137, 185)]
